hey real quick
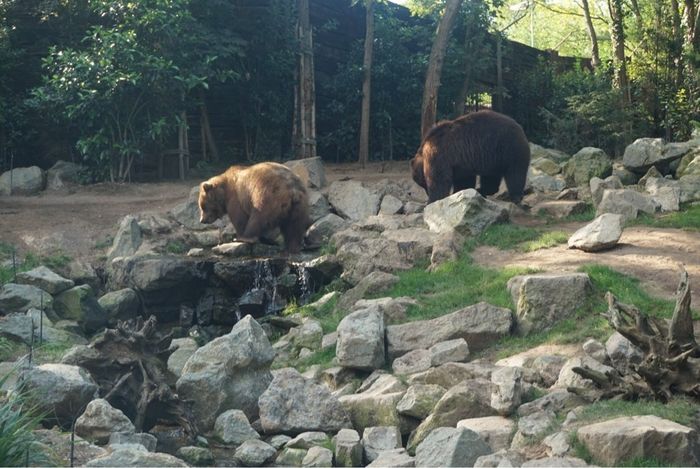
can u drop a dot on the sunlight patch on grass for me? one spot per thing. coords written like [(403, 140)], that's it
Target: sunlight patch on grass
[(687, 218), (523, 239)]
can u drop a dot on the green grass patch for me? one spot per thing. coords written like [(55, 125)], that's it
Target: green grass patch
[(588, 321), (50, 352), (583, 217), (679, 410), (323, 358), (642, 461), (55, 261), (452, 286), (688, 217), (327, 315), (510, 236), (627, 290), (175, 247)]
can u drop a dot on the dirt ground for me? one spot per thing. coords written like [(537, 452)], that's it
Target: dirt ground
[(79, 223)]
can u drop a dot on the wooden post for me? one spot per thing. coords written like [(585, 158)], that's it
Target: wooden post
[(305, 111), (366, 84)]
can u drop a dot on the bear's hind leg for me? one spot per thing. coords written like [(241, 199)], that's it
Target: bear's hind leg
[(515, 181), (489, 185), (463, 182)]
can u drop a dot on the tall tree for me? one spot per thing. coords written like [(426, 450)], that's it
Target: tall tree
[(595, 55), (617, 33), (366, 83), (437, 57), (305, 93)]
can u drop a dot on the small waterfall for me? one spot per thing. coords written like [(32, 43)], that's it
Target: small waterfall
[(304, 283), (266, 281)]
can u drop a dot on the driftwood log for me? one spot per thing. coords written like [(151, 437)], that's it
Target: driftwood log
[(130, 367), (671, 363)]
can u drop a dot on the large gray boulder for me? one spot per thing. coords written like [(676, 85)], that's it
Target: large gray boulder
[(496, 431), (420, 400), (666, 193), (589, 162), (466, 212), (479, 324), (544, 299), (184, 349), (254, 453), (361, 340), (600, 234), (100, 420), (136, 456), (352, 200), (507, 389), (19, 298), (321, 231), (379, 439), (634, 437), (312, 167), (43, 278), (232, 427), (622, 352), (63, 174), (644, 153), (127, 240), (123, 304), (80, 304), (376, 404), (348, 448), (229, 372), (469, 399), (448, 446), (292, 404), (568, 378), (59, 391), (598, 186), (626, 202), (22, 181), (368, 254)]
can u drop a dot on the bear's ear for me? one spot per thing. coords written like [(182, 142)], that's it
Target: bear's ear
[(207, 186)]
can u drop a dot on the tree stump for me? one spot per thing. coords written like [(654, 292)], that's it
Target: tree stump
[(131, 370), (671, 364)]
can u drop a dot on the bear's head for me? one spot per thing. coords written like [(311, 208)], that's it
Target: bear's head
[(417, 170), (212, 201)]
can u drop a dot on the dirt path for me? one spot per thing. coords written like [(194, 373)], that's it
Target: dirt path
[(652, 255), (78, 223), (75, 223)]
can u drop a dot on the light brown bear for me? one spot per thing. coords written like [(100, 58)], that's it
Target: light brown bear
[(258, 199)]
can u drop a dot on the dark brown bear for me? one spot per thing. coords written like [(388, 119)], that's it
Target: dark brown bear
[(483, 143), (258, 199)]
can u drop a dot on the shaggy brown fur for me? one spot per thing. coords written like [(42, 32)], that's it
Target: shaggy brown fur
[(483, 143), (257, 199)]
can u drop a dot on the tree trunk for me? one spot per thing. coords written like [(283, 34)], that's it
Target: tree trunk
[(437, 57), (366, 84), (305, 113), (207, 135), (595, 55), (670, 365), (617, 33)]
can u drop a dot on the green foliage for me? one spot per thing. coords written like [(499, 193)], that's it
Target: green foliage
[(175, 247), (129, 78), (327, 315), (31, 260), (323, 358), (17, 442)]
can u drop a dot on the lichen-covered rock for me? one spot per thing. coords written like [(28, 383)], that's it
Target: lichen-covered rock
[(229, 372), (448, 446), (353, 200), (633, 437), (378, 439), (22, 181), (292, 404), (232, 427), (496, 431), (348, 448), (100, 420), (19, 298), (44, 278), (254, 453), (587, 163), (466, 211), (420, 400), (478, 324), (361, 340), (600, 234)]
